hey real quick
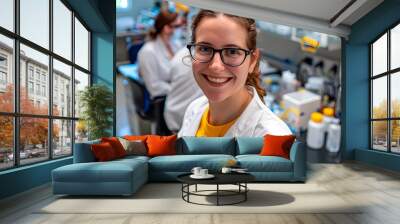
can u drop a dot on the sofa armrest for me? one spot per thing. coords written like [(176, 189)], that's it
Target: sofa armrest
[(298, 157), (83, 152)]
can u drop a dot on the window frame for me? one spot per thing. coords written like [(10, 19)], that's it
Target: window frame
[(388, 74), (16, 115)]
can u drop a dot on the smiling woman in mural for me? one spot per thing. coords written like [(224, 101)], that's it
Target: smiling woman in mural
[(225, 62)]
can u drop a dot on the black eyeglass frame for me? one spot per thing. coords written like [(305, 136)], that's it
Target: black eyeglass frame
[(247, 52)]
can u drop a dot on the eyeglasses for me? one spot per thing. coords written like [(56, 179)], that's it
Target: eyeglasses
[(231, 56)]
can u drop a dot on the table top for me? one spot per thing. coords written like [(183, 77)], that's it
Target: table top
[(220, 178)]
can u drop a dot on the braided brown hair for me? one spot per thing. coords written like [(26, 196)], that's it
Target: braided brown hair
[(253, 78)]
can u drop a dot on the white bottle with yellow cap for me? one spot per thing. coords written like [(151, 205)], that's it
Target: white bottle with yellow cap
[(333, 139), (316, 131), (328, 117)]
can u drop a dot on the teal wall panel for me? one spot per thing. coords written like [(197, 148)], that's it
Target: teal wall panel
[(356, 84), (380, 159)]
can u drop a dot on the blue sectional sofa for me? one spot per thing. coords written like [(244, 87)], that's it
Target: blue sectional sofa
[(125, 176)]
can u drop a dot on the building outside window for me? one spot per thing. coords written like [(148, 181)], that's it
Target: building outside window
[(385, 96)]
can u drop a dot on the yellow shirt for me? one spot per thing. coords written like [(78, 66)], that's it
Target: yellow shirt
[(208, 130)]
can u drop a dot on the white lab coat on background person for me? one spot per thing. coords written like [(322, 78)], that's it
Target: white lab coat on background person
[(154, 67), (184, 90), (256, 120)]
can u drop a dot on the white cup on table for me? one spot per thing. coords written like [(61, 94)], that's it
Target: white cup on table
[(196, 170), (203, 172)]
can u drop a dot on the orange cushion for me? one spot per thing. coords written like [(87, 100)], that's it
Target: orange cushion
[(103, 151), (136, 137), (277, 145), (161, 145), (116, 145)]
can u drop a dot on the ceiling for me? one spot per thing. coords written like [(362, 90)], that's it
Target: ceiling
[(327, 16)]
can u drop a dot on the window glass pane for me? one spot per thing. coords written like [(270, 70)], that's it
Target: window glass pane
[(34, 97), (33, 139), (6, 74), (379, 135), (122, 4), (81, 45), (62, 89), (81, 131), (379, 98), (35, 21), (395, 47), (62, 29), (379, 56), (62, 138), (395, 136), (395, 94), (81, 81), (7, 14), (6, 142)]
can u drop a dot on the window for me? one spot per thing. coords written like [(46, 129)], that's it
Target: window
[(7, 14), (30, 87), (38, 89), (34, 22), (54, 126), (122, 4), (37, 75), (43, 90), (62, 29), (6, 88), (3, 71), (3, 61), (30, 72), (81, 45), (385, 97)]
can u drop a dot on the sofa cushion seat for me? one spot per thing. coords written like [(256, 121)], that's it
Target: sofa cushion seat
[(118, 177), (257, 163), (112, 171), (184, 163)]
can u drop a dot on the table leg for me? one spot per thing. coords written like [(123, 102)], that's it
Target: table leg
[(217, 194), (196, 188), (245, 191)]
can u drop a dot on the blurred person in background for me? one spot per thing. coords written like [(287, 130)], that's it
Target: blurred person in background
[(155, 56)]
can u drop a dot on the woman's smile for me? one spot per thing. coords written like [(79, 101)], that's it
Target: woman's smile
[(215, 81)]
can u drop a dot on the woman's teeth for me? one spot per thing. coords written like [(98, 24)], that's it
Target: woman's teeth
[(217, 80)]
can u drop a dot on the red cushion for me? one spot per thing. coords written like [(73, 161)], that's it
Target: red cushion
[(161, 145), (103, 151), (136, 137), (116, 145), (277, 145)]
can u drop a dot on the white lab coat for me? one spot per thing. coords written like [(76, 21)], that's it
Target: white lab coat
[(154, 67), (255, 121), (184, 90)]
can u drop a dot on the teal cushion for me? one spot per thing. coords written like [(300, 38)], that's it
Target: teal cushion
[(257, 163), (185, 163), (206, 145), (83, 153), (249, 145)]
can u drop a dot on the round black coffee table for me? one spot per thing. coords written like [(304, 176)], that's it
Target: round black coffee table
[(239, 179)]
